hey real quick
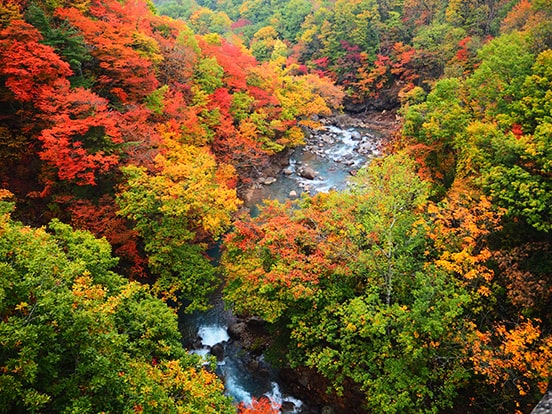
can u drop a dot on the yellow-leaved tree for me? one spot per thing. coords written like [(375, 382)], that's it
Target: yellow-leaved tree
[(176, 209)]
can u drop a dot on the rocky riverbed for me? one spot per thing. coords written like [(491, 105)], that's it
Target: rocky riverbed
[(329, 157)]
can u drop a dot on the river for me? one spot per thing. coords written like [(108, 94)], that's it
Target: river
[(326, 162)]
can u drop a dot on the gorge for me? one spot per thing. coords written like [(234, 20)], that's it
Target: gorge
[(134, 144), (334, 152)]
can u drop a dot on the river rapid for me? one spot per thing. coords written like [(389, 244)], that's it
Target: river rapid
[(326, 162)]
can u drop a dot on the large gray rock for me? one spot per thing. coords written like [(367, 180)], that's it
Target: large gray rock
[(308, 173), (217, 350), (545, 404)]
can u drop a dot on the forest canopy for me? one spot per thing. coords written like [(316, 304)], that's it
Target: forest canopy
[(131, 131)]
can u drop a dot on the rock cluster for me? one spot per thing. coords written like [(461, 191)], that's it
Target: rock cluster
[(250, 333), (321, 142), (321, 145), (545, 404)]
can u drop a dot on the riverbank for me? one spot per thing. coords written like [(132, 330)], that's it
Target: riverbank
[(385, 122), (329, 156), (373, 131)]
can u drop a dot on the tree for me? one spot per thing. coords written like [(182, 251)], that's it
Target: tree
[(76, 337), (390, 192), (523, 274), (476, 16), (292, 17), (126, 55), (174, 211), (101, 219), (406, 358), (275, 264), (83, 139), (263, 43), (387, 72), (516, 170), (460, 227), (179, 49), (234, 63), (27, 65), (533, 110), (497, 81), (205, 21), (514, 359), (303, 97), (9, 11), (435, 123), (62, 37)]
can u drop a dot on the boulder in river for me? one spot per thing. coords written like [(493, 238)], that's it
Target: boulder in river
[(308, 173), (356, 136), (237, 330), (287, 407), (196, 343), (365, 148), (269, 180), (217, 350)]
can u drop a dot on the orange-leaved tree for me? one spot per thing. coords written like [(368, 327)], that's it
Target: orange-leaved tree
[(82, 139), (515, 358), (259, 406)]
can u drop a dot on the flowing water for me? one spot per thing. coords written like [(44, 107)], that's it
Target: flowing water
[(332, 154)]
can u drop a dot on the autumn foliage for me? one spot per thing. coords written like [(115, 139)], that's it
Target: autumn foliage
[(105, 84), (260, 406), (76, 335), (425, 287)]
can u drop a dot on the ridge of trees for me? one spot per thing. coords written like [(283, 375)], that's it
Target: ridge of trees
[(106, 102), (426, 286), (77, 337), (377, 50), (125, 123)]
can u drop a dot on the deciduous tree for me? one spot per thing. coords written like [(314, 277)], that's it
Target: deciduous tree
[(175, 210), (76, 337)]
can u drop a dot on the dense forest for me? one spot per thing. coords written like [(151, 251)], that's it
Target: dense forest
[(130, 131)]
